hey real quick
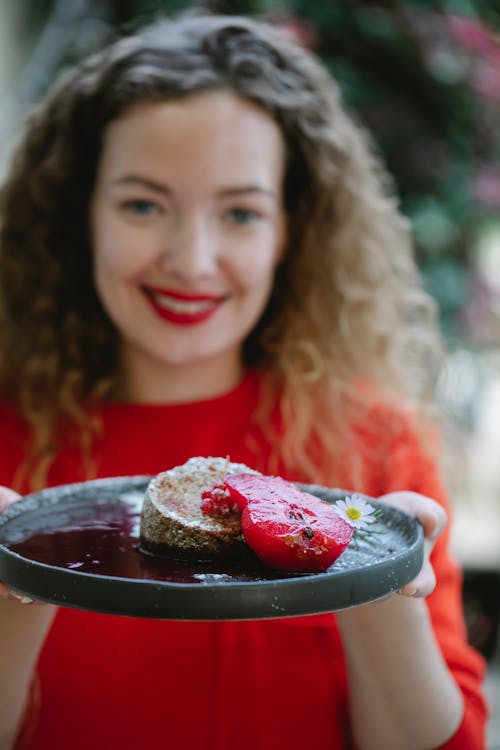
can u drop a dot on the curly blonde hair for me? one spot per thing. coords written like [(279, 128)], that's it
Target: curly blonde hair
[(347, 304)]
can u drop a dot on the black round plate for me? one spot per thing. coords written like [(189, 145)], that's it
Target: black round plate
[(76, 545)]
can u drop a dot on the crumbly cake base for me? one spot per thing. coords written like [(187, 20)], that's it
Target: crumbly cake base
[(172, 522)]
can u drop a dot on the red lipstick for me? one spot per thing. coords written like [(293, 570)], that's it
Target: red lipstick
[(182, 308)]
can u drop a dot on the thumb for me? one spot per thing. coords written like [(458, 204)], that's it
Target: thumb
[(7, 497)]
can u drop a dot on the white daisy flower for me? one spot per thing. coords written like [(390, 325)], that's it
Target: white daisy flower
[(356, 511)]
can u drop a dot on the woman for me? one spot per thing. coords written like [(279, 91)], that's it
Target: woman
[(201, 256)]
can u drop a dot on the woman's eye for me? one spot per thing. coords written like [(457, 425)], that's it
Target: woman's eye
[(241, 215), (141, 207)]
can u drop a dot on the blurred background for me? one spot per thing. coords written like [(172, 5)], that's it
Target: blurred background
[(424, 77)]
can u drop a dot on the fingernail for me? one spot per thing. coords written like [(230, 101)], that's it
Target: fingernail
[(21, 598), (412, 591)]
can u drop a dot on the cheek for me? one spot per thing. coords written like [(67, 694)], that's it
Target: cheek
[(117, 253), (254, 281), (256, 268)]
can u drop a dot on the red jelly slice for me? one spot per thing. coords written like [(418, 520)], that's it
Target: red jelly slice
[(287, 528)]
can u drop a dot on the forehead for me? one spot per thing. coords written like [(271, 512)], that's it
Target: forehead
[(210, 130)]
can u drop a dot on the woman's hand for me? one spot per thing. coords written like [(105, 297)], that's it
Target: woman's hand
[(7, 497), (401, 691), (22, 633), (433, 519)]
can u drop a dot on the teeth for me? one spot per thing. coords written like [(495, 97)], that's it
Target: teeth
[(183, 306)]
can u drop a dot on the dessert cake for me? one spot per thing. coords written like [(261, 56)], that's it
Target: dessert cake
[(212, 507), (173, 522)]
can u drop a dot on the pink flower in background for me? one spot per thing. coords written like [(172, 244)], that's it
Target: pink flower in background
[(486, 80), (479, 40), (485, 186), (301, 30), (472, 34)]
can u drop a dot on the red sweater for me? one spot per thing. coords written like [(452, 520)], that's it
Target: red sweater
[(110, 682)]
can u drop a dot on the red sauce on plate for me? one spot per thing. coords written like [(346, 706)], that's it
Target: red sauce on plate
[(107, 543)]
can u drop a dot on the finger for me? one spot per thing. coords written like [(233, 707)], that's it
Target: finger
[(21, 598), (430, 514), (422, 585), (6, 593), (7, 497)]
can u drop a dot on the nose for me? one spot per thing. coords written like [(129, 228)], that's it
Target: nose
[(191, 248)]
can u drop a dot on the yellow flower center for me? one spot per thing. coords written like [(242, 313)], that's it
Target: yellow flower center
[(353, 513)]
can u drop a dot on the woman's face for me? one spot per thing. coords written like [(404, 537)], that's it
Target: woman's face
[(188, 225)]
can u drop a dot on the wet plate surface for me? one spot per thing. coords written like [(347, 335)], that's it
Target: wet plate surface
[(77, 545)]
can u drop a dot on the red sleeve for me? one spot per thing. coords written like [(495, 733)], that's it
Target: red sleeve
[(412, 469)]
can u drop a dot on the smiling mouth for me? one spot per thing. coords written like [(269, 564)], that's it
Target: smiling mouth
[(188, 307), (183, 309)]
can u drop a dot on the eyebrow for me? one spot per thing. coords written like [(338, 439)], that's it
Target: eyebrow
[(157, 187), (135, 179)]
